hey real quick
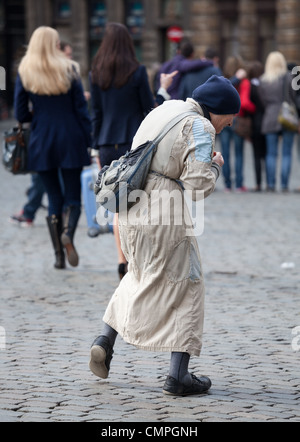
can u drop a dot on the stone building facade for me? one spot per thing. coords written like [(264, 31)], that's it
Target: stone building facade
[(250, 28)]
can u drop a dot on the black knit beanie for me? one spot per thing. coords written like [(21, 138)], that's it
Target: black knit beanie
[(218, 95)]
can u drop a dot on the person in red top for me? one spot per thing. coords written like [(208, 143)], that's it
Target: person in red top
[(247, 107), (234, 68)]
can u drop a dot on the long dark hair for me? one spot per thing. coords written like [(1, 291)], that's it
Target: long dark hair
[(115, 60)]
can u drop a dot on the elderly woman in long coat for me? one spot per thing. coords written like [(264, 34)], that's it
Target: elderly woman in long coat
[(159, 304)]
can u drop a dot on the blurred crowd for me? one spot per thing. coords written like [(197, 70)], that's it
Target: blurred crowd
[(265, 89)]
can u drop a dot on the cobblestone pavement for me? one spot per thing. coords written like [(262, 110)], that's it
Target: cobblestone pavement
[(49, 318)]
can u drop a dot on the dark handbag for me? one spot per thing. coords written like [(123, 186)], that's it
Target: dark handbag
[(129, 173), (242, 126), (15, 145)]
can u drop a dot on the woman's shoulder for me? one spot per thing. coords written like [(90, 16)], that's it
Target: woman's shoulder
[(140, 71)]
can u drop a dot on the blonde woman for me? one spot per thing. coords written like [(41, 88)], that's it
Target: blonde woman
[(275, 80), (60, 133)]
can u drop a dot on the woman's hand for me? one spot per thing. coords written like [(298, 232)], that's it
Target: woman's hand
[(167, 79), (218, 158)]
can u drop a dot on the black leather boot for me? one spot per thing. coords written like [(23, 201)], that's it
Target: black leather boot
[(101, 356), (70, 221), (55, 229)]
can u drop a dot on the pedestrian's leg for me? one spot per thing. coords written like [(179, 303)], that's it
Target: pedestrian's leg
[(257, 161), (72, 209), (271, 159), (286, 162), (51, 182), (35, 196), (122, 268), (102, 352), (239, 161), (179, 368), (225, 138), (180, 382)]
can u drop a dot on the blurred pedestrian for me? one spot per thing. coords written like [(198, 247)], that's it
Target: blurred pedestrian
[(182, 62), (36, 191), (191, 80), (35, 195), (159, 304), (120, 99), (67, 49), (233, 66), (258, 139), (274, 82), (60, 133)]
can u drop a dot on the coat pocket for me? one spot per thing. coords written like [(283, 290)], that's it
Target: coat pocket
[(184, 263)]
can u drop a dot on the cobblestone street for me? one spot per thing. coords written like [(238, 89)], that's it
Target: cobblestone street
[(49, 318)]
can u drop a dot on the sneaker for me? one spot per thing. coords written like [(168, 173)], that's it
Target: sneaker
[(20, 220), (101, 356), (93, 232), (175, 388), (242, 189)]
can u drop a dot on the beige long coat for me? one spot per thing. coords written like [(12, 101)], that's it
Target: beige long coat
[(159, 304)]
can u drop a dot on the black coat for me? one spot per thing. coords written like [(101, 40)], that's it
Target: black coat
[(60, 127), (118, 113)]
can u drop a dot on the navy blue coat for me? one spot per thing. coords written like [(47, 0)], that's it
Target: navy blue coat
[(60, 127), (118, 113)]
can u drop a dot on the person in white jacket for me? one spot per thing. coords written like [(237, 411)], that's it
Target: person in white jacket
[(159, 304)]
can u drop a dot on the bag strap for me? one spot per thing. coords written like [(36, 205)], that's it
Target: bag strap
[(172, 124)]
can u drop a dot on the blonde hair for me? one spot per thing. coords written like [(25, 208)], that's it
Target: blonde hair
[(45, 69), (275, 67)]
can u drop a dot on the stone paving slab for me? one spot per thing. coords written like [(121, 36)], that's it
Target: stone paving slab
[(51, 317)]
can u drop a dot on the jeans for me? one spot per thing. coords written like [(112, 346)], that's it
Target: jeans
[(259, 151), (63, 188), (272, 140), (35, 196), (226, 136)]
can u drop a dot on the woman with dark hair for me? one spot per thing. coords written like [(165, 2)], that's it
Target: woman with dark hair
[(121, 97)]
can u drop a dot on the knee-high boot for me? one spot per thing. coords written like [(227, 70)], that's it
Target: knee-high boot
[(70, 221), (55, 229)]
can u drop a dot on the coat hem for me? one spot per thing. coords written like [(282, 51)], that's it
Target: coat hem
[(191, 351)]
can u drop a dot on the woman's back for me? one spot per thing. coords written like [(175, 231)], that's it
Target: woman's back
[(272, 96), (118, 112), (60, 128)]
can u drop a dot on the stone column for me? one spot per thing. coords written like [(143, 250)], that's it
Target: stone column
[(150, 37), (37, 14), (288, 29), (247, 29), (80, 37), (204, 25)]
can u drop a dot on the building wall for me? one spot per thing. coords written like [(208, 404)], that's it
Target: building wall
[(288, 29), (250, 28), (229, 25)]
